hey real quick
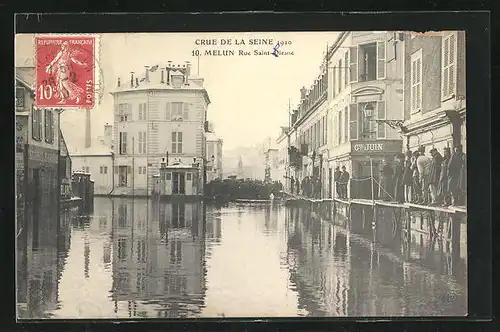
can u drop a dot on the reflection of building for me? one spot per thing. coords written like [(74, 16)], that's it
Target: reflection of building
[(97, 159), (214, 149), (319, 260), (435, 90), (160, 115), (158, 252)]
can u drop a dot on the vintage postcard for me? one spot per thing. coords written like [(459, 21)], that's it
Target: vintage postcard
[(241, 174)]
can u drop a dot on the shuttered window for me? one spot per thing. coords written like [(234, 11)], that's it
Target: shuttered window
[(340, 127), (176, 142), (353, 64), (416, 81), (36, 124), (346, 124), (346, 68), (381, 60), (123, 143), (49, 126), (449, 66)]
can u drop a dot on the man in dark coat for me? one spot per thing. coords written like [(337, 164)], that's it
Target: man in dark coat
[(398, 178), (435, 174), (408, 177), (443, 192), (336, 178), (455, 172), (416, 191), (292, 181), (386, 188), (344, 179), (303, 185)]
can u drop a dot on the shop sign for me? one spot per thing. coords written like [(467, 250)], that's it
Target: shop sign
[(42, 155), (368, 147)]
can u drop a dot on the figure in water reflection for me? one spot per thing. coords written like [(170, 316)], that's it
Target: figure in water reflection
[(62, 63)]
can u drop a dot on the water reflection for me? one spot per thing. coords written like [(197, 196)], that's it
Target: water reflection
[(138, 258)]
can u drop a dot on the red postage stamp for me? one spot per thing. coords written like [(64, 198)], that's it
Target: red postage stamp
[(65, 71)]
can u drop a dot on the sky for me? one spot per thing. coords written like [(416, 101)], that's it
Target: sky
[(249, 94)]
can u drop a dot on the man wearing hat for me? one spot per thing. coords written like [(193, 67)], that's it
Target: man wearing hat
[(455, 174), (407, 177), (344, 179), (338, 185), (443, 192), (435, 173), (424, 167)]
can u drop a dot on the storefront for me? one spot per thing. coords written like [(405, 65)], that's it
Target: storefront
[(365, 160), (178, 180)]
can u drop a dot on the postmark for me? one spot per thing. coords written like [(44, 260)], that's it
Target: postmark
[(65, 68)]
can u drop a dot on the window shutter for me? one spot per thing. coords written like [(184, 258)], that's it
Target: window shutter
[(46, 125), (346, 68), (334, 78), (381, 128), (381, 64), (340, 127), (460, 65), (174, 142), (346, 124), (185, 115), (353, 116), (168, 112), (418, 88), (445, 67), (353, 64), (451, 70), (124, 141)]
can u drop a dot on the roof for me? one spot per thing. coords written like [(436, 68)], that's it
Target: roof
[(179, 166), (210, 136), (26, 76), (97, 148)]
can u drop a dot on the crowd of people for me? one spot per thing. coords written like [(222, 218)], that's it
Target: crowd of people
[(434, 179)]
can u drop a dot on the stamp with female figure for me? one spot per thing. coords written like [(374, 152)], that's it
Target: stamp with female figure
[(65, 71)]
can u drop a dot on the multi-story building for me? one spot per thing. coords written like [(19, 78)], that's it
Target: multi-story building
[(161, 115), (279, 171), (365, 94), (213, 156), (435, 90), (37, 155)]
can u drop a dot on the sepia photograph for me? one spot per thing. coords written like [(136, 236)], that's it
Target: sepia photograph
[(240, 174)]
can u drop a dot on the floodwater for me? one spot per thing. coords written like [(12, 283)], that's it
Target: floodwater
[(142, 259)]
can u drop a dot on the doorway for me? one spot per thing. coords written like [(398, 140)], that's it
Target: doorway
[(122, 176), (178, 183)]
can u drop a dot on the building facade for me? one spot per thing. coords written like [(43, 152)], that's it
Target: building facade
[(37, 154), (214, 156), (279, 171), (161, 115), (365, 89), (98, 160), (435, 90)]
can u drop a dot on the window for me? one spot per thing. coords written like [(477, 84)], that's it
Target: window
[(142, 142), (381, 129), (368, 62), (188, 176), (176, 142), (36, 123), (335, 128), (49, 126), (142, 169), (124, 112), (353, 64), (416, 81), (19, 98), (86, 169), (325, 129), (123, 143), (101, 169), (179, 111), (346, 124), (334, 75), (142, 112), (169, 176), (353, 121), (448, 65)]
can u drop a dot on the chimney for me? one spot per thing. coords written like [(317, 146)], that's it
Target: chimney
[(87, 129), (118, 82), (303, 93), (147, 73), (188, 69), (108, 132), (169, 68), (136, 82), (162, 76), (184, 70), (131, 79)]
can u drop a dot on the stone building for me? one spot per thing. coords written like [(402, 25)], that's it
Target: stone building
[(160, 115), (214, 156), (435, 90)]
